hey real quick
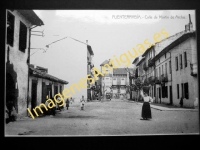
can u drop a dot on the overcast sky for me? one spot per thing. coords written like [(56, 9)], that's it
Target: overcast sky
[(107, 32)]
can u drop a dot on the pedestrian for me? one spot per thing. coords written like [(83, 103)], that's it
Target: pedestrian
[(82, 103), (181, 102), (146, 109), (67, 103), (53, 110), (71, 100)]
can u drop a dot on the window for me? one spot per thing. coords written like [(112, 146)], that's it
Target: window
[(170, 67), (176, 60), (162, 70), (186, 90), (185, 57), (182, 90), (165, 55), (159, 72), (166, 91), (178, 91), (165, 68), (10, 28), (22, 37), (181, 66)]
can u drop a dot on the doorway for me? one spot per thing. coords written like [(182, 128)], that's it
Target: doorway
[(171, 98), (34, 94), (11, 99), (160, 94)]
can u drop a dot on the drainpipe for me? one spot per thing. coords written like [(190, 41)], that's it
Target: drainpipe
[(29, 48), (171, 76)]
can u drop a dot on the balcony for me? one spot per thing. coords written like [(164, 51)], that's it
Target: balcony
[(157, 80), (146, 81), (145, 67), (193, 69), (151, 80), (150, 62), (164, 78)]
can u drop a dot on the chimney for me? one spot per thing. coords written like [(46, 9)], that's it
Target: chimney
[(87, 42), (190, 24)]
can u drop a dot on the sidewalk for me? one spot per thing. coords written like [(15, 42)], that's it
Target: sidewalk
[(163, 107)]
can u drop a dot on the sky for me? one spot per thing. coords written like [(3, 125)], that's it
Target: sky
[(110, 33)]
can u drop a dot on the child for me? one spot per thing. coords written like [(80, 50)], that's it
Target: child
[(82, 102), (67, 103)]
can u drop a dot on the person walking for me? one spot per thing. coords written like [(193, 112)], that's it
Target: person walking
[(82, 103), (71, 100), (146, 109), (67, 103)]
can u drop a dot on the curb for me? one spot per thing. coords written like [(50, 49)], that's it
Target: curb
[(162, 108)]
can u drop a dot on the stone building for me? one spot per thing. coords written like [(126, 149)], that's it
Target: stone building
[(18, 33), (41, 85)]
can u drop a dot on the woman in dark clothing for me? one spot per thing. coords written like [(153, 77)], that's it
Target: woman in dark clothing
[(67, 103), (146, 109)]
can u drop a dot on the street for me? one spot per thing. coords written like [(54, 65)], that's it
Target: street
[(115, 117)]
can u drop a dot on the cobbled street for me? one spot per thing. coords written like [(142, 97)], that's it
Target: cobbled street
[(115, 117)]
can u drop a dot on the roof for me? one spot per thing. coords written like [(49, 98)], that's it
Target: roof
[(135, 60), (37, 73), (31, 16), (119, 71), (147, 50), (173, 44), (105, 62), (90, 50), (159, 46), (140, 61)]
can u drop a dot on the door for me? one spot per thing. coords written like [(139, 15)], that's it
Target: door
[(11, 99), (170, 90), (44, 92), (34, 94), (160, 94)]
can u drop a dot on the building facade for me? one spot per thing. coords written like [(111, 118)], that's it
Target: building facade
[(120, 82), (18, 33), (106, 80), (169, 67), (90, 65), (41, 85)]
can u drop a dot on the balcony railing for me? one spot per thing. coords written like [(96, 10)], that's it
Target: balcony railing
[(151, 80), (157, 80), (164, 78), (150, 62), (146, 81), (145, 66), (193, 69)]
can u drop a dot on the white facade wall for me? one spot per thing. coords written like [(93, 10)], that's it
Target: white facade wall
[(19, 61)]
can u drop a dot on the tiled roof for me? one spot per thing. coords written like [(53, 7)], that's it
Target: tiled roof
[(31, 16), (140, 61), (174, 43), (105, 62), (119, 71), (164, 43), (37, 73)]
